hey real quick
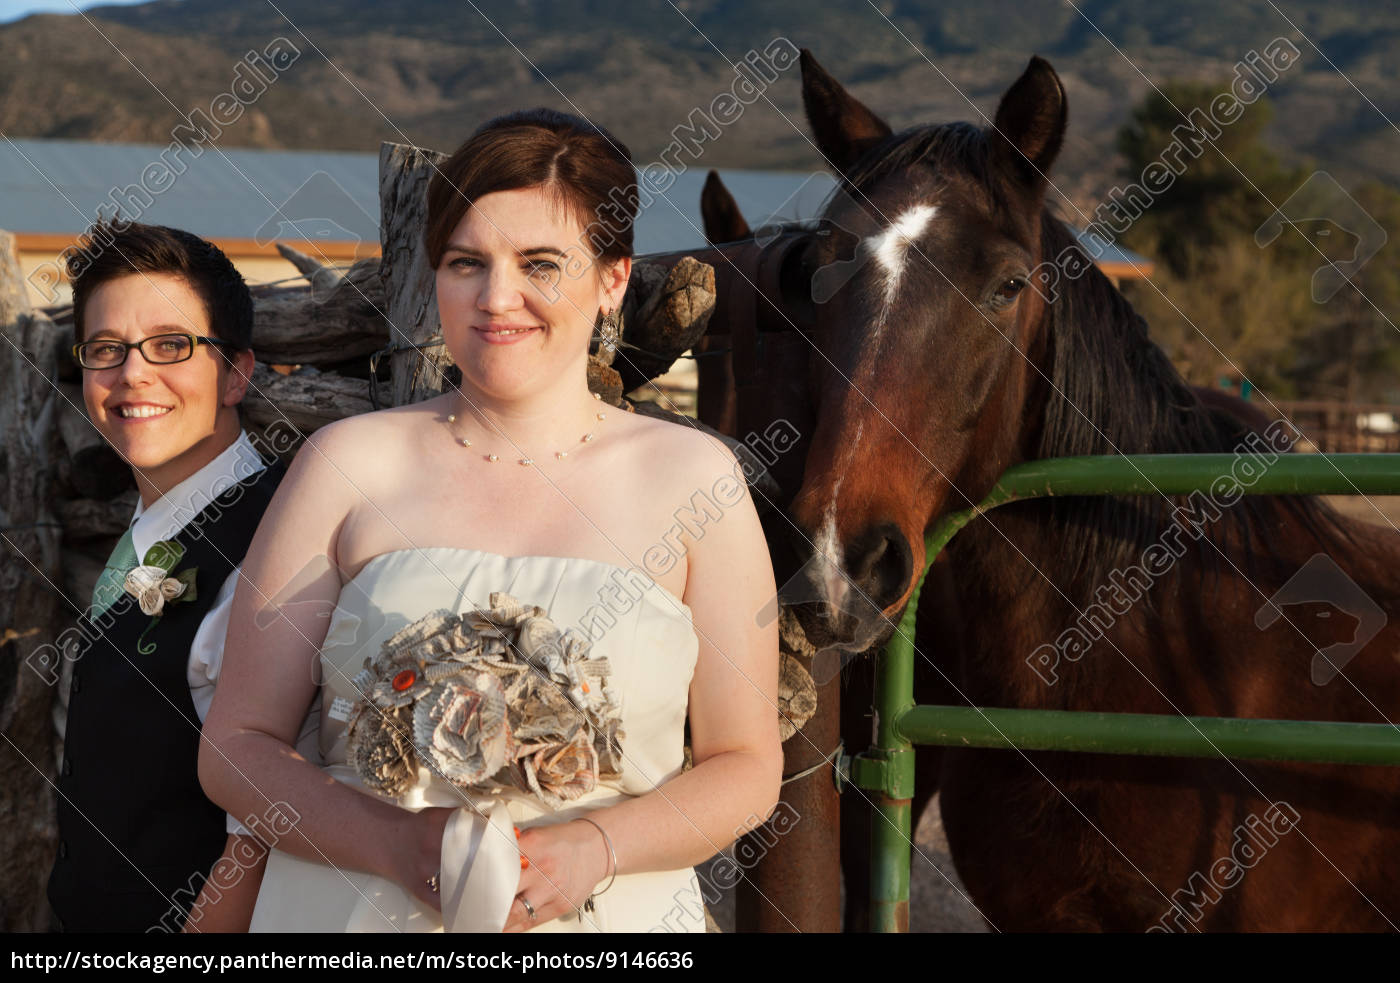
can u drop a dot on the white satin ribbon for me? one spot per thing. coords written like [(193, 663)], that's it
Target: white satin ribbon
[(480, 861), (481, 867)]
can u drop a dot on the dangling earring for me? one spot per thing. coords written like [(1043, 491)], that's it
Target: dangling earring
[(610, 329)]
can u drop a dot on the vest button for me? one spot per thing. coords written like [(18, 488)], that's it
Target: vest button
[(77, 684), (67, 767), (63, 850)]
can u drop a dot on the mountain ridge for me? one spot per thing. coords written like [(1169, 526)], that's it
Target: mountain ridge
[(430, 72)]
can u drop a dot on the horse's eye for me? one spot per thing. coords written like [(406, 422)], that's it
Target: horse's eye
[(1007, 293)]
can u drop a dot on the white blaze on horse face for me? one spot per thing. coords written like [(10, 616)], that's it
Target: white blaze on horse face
[(891, 247), (829, 555), (832, 580), (890, 250)]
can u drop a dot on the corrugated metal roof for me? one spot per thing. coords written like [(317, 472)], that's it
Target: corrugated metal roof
[(57, 186), (672, 220), (1109, 254)]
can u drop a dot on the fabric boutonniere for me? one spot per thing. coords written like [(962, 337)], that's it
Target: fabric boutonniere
[(153, 585)]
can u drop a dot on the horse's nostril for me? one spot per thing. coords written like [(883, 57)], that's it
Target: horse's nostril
[(881, 563), (889, 567)]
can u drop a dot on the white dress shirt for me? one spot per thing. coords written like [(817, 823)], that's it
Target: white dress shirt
[(163, 520)]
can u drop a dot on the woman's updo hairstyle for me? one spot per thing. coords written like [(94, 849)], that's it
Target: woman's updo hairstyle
[(588, 170)]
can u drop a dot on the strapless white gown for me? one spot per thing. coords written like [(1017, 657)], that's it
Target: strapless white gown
[(649, 639)]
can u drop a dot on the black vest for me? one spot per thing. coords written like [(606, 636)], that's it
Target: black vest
[(137, 835)]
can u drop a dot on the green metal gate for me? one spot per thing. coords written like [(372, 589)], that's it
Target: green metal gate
[(887, 767)]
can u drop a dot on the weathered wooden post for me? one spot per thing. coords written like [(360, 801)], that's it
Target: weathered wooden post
[(794, 860), (418, 363), (31, 612)]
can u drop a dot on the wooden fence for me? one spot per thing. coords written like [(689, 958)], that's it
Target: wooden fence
[(1344, 428)]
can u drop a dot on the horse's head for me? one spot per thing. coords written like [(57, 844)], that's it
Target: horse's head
[(926, 332)]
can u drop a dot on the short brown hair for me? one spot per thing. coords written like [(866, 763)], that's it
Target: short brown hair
[(113, 249), (588, 168)]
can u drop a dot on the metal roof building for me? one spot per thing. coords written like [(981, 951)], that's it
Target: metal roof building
[(323, 203)]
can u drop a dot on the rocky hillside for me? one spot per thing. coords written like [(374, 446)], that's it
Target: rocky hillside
[(430, 71)]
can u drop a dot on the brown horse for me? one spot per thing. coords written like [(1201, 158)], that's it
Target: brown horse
[(937, 367), (727, 229)]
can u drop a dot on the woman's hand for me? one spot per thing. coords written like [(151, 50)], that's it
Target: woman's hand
[(566, 862)]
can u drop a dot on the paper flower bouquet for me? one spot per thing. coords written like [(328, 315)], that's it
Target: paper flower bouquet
[(488, 699)]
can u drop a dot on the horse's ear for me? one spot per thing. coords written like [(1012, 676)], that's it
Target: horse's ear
[(1030, 123), (843, 127), (720, 212)]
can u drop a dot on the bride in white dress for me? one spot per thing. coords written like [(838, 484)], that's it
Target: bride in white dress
[(634, 533)]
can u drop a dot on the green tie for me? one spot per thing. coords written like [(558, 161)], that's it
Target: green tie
[(110, 583)]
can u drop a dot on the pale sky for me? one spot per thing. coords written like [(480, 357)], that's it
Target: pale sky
[(15, 9)]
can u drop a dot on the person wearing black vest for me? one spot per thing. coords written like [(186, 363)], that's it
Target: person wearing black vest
[(163, 324)]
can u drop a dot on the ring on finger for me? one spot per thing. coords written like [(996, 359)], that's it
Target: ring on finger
[(529, 908)]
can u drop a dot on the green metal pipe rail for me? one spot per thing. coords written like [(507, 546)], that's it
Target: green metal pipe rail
[(887, 767)]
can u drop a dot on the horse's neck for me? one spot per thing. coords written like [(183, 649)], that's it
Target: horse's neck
[(1003, 569), (1028, 573), (1190, 640), (1123, 641)]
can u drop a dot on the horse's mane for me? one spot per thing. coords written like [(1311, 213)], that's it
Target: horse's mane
[(960, 145), (1113, 390)]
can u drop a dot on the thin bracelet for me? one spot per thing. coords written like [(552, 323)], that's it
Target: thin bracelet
[(611, 853)]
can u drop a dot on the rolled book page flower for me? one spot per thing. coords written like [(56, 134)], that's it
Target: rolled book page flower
[(559, 772), (461, 722), (381, 749), (152, 588)]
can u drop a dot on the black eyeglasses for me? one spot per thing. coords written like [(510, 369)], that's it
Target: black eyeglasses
[(165, 349)]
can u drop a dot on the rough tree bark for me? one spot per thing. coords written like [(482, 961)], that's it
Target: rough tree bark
[(306, 400), (340, 317), (30, 607), (97, 470)]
